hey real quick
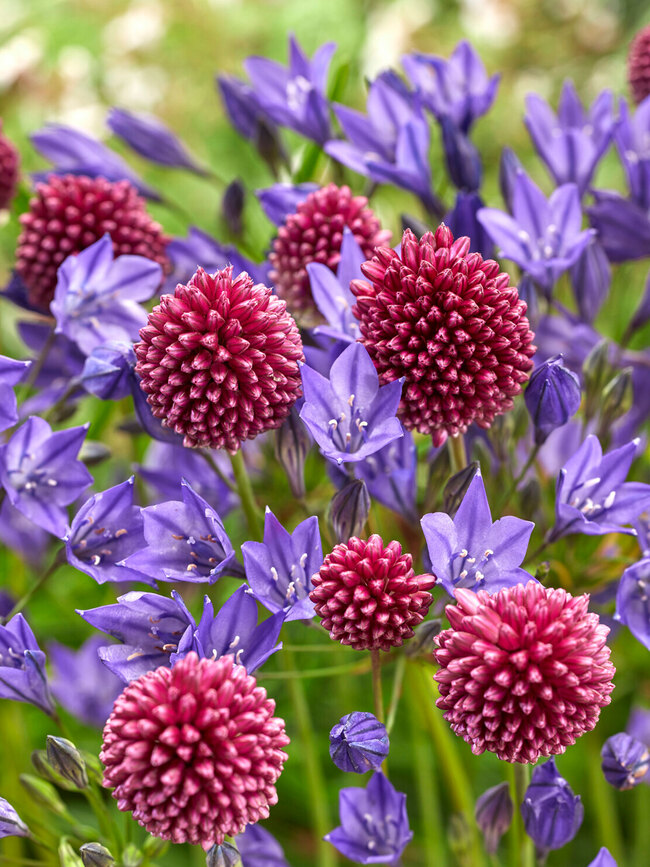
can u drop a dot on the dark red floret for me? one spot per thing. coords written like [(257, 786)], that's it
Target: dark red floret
[(9, 168), (638, 65)]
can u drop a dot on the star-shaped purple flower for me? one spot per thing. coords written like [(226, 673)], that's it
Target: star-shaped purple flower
[(185, 541), (374, 825), (41, 474), (96, 297), (472, 552), (279, 569), (22, 666), (349, 415)]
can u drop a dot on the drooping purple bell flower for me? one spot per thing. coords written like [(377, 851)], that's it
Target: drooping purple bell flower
[(22, 666), (552, 813), (148, 136), (625, 761), (259, 848), (493, 813), (358, 743), (41, 474), (552, 396), (374, 825), (633, 600), (11, 825)]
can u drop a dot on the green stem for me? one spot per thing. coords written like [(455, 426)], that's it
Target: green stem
[(641, 825), (523, 851), (377, 689), (106, 825), (537, 552), (457, 453), (359, 668), (314, 775), (207, 456), (515, 484), (18, 607), (602, 796), (398, 679), (246, 496)]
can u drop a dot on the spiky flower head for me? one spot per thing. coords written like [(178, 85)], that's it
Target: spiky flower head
[(368, 594), (9, 165), (219, 359), (71, 212), (194, 751), (314, 233), (638, 65), (450, 323), (524, 672)]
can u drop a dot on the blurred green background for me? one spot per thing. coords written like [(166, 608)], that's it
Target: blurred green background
[(67, 62)]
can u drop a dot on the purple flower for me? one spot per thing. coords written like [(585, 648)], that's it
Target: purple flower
[(603, 859), (552, 396), (626, 761), (552, 813), (544, 237), (280, 200), (463, 220), (633, 602), (573, 142), (350, 416), (41, 474), (63, 363), (623, 226), (149, 626), (108, 371), (509, 167), (374, 825), (638, 726), (462, 157), (592, 495), (279, 569), (472, 552), (358, 743), (493, 813), (81, 683), (234, 631), (332, 293), (259, 848), (11, 825), (458, 88), (96, 297), (22, 666), (591, 277), (11, 373), (23, 537), (242, 106), (294, 96), (149, 137), (106, 530), (390, 144), (75, 153), (185, 541), (634, 150)]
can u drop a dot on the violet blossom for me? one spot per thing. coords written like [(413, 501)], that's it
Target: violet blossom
[(22, 666), (81, 683)]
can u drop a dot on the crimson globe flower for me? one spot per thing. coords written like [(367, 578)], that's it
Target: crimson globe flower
[(449, 322), (314, 233), (638, 65), (218, 360), (524, 672), (9, 165), (71, 212), (194, 751), (368, 595)]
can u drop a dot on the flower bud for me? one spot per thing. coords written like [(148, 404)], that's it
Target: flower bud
[(131, 856), (66, 760), (224, 855), (596, 372), (93, 452), (591, 277), (43, 793), (95, 855), (358, 743), (456, 488), (642, 312), (493, 813), (349, 510), (530, 497), (509, 165), (552, 397), (422, 642), (528, 292), (552, 813), (292, 443), (603, 859), (11, 825), (232, 206), (67, 855), (269, 146), (462, 157), (154, 847), (625, 761), (617, 399)]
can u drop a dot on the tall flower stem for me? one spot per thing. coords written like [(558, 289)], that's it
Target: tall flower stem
[(398, 679), (602, 797), (314, 776), (457, 453), (522, 851), (515, 483), (377, 690), (246, 496), (59, 560)]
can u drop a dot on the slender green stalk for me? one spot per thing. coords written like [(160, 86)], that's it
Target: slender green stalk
[(206, 454), (457, 453), (522, 851), (326, 856), (22, 602), (359, 668), (641, 824), (398, 679), (515, 483), (246, 496), (605, 804), (106, 824), (377, 689)]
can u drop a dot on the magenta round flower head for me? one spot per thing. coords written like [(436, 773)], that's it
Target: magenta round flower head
[(493, 814), (552, 396), (219, 360), (428, 314), (524, 672), (638, 65), (350, 416), (469, 550), (82, 683), (374, 825), (148, 136), (552, 813), (184, 541), (11, 825), (41, 473), (22, 666), (194, 751), (279, 569), (625, 761), (358, 742), (9, 169)]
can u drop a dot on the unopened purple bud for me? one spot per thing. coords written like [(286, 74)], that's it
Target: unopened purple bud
[(456, 488), (422, 642), (625, 761), (617, 398), (552, 813), (223, 855), (591, 277), (603, 859), (358, 743), (463, 161), (292, 442), (493, 813), (96, 855), (509, 165), (150, 138), (552, 397), (528, 292), (232, 206), (66, 760), (349, 510)]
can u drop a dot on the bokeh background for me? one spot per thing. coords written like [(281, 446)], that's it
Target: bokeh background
[(69, 61)]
